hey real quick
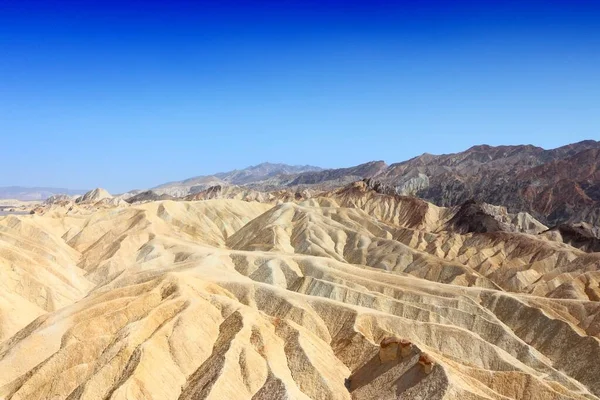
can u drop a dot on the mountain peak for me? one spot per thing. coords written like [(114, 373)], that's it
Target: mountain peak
[(281, 166)]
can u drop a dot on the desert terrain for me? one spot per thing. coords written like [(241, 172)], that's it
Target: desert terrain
[(349, 293)]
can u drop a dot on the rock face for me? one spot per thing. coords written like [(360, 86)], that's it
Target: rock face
[(393, 348), (367, 170), (426, 362), (475, 217), (93, 196), (148, 195), (582, 236), (230, 192), (471, 217), (58, 198), (346, 294), (246, 194), (554, 186)]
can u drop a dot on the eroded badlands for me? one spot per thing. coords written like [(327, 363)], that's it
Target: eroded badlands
[(348, 295)]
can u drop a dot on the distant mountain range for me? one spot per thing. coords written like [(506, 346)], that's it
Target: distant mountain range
[(555, 186), (250, 175), (34, 193)]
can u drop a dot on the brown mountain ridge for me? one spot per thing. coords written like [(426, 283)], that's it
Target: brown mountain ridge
[(556, 186)]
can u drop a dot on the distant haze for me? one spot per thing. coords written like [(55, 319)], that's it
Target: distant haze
[(34, 193)]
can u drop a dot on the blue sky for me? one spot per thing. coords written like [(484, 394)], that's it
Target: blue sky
[(131, 94)]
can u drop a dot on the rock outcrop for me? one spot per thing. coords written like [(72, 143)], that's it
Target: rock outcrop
[(93, 196), (148, 195), (582, 236)]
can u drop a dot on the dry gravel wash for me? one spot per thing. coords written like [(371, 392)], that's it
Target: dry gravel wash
[(226, 299)]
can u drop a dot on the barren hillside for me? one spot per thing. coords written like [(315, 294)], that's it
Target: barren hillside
[(348, 294)]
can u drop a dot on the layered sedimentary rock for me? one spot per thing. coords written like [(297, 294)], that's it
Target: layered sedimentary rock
[(348, 294)]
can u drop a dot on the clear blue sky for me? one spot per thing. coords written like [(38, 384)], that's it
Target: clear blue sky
[(131, 94)]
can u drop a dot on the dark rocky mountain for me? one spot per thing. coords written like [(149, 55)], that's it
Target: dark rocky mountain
[(148, 195), (472, 218), (327, 179), (367, 170), (553, 185), (582, 235)]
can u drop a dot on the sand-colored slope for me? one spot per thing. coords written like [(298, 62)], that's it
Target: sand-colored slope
[(38, 272), (348, 235), (225, 299)]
